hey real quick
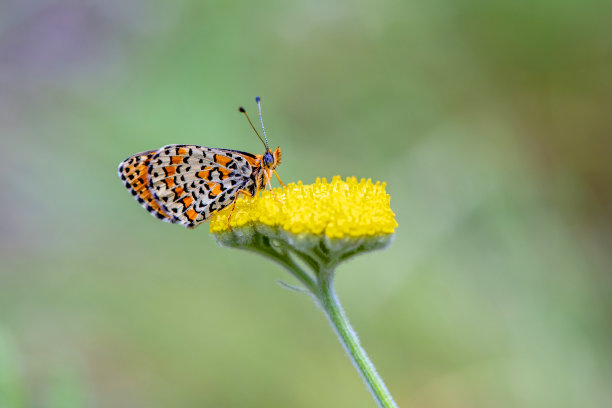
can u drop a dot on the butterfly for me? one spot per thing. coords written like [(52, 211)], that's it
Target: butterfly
[(186, 184)]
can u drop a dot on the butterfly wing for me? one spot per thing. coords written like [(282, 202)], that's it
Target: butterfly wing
[(191, 182), (133, 171)]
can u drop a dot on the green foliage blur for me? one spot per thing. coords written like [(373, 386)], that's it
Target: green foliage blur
[(489, 121)]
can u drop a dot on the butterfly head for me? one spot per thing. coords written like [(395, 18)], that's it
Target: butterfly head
[(270, 160)]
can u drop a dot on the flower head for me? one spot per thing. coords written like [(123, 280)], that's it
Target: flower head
[(338, 209), (339, 218)]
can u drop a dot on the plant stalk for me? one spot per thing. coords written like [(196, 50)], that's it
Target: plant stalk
[(320, 285), (331, 306)]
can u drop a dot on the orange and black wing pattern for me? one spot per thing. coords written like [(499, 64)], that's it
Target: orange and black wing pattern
[(186, 184), (133, 171)]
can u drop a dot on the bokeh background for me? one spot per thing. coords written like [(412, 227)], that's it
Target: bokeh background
[(490, 122)]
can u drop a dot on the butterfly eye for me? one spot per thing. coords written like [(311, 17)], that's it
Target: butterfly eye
[(268, 159)]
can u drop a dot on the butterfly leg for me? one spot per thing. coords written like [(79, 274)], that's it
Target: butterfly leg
[(234, 205), (268, 175), (279, 179)]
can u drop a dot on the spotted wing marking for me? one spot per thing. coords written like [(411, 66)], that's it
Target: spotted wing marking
[(133, 172), (192, 182)]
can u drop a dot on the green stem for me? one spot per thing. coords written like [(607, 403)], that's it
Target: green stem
[(321, 286), (289, 264), (331, 305)]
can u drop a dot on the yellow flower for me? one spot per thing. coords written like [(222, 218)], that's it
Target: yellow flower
[(340, 209), (309, 230)]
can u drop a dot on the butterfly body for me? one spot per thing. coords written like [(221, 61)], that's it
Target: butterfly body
[(186, 184)]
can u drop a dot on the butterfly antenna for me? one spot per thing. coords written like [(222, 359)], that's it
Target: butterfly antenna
[(241, 109), (258, 100)]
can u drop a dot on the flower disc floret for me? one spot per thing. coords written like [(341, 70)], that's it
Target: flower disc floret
[(340, 209)]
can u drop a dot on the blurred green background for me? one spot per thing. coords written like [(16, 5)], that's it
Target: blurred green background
[(490, 122)]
